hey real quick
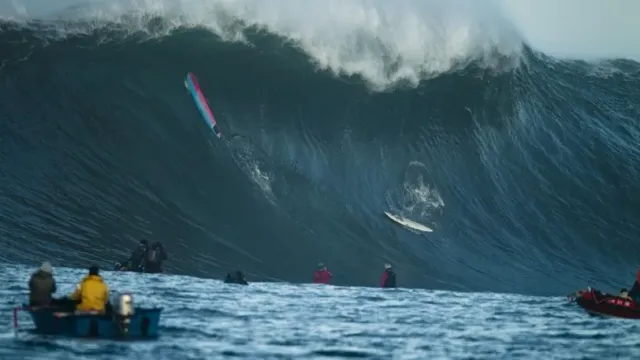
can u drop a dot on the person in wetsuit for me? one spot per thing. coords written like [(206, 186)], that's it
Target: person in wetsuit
[(322, 275), (237, 278), (155, 256), (388, 277), (138, 259)]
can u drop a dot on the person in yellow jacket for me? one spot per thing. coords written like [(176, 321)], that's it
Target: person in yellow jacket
[(92, 292)]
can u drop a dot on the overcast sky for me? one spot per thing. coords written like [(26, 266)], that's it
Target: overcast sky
[(581, 28)]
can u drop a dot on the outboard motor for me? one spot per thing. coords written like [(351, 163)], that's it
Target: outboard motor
[(123, 311)]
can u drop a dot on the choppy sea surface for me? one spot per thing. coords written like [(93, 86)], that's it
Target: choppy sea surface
[(207, 319)]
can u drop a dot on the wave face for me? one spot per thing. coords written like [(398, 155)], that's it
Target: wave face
[(525, 165)]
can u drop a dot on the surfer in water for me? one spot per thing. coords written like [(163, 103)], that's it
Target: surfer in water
[(388, 277), (237, 278), (322, 275)]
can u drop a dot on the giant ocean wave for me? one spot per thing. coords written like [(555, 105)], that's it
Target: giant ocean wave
[(525, 164)]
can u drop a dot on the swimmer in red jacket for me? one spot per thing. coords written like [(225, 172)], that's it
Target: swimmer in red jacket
[(322, 275), (388, 279)]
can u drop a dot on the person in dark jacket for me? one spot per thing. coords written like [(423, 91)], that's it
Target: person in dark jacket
[(237, 278), (155, 256), (42, 286), (388, 277)]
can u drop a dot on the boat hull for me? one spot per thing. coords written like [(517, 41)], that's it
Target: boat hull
[(143, 324), (598, 303)]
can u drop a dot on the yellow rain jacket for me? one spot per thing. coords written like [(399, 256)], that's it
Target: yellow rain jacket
[(93, 294)]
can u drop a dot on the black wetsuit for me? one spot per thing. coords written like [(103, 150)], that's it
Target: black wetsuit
[(138, 259), (237, 279)]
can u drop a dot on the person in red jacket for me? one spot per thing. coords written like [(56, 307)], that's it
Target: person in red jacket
[(322, 275), (388, 279)]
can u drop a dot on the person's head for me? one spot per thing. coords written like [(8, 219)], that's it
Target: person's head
[(93, 270), (46, 268), (623, 290), (143, 243), (321, 266), (387, 266)]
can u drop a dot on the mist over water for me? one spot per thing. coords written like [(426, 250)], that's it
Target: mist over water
[(451, 114)]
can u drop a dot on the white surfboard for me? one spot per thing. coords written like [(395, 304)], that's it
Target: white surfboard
[(408, 223)]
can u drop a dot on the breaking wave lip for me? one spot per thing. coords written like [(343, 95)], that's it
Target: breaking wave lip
[(386, 45)]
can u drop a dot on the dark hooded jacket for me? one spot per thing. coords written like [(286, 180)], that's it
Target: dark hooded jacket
[(41, 287)]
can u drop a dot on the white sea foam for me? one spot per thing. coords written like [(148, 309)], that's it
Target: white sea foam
[(380, 40)]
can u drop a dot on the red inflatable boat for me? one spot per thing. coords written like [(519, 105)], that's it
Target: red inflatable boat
[(599, 303)]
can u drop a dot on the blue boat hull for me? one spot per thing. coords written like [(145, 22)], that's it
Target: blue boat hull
[(144, 324)]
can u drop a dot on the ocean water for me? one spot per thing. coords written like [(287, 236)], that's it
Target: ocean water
[(207, 319)]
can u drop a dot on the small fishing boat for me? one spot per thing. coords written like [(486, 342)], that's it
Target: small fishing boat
[(603, 304), (124, 322)]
